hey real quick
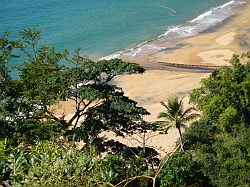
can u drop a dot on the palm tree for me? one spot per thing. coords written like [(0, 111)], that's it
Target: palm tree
[(175, 116)]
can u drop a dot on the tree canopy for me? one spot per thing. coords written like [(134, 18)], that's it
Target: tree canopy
[(46, 77), (220, 138)]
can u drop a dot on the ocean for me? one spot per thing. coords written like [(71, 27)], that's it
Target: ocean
[(104, 28)]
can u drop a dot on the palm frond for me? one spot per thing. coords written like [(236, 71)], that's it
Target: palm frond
[(175, 113), (190, 117), (164, 126), (165, 115), (188, 111), (164, 105), (175, 106), (163, 123)]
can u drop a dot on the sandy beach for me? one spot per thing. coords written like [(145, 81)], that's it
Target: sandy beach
[(213, 48), (210, 49)]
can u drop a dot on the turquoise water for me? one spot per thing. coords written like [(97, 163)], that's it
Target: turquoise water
[(103, 27)]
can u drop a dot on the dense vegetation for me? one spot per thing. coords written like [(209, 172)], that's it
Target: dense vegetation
[(39, 148), (221, 138)]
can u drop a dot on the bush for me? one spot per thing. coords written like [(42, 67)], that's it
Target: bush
[(182, 170)]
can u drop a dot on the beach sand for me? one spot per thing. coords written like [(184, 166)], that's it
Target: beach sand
[(212, 48)]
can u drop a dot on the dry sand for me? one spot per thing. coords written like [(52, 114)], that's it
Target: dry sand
[(214, 48)]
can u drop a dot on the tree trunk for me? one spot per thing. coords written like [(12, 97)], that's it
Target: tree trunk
[(182, 149), (153, 182)]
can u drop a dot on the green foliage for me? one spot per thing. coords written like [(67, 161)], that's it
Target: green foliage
[(62, 164), (29, 41), (6, 48), (181, 169), (92, 80), (25, 101), (226, 87), (47, 77), (232, 160), (117, 113), (227, 118), (13, 166), (220, 139), (175, 116), (6, 54), (114, 169), (199, 133), (70, 168)]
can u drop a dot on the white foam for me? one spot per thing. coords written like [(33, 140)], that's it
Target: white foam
[(210, 12), (143, 49), (204, 21), (112, 56), (202, 16)]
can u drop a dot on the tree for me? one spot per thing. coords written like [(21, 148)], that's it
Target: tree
[(224, 96), (102, 104), (6, 50), (201, 132), (47, 77), (175, 116), (6, 54), (182, 169), (109, 107), (7, 85), (26, 99), (220, 139)]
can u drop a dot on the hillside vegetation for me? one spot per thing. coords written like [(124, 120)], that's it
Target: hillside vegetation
[(40, 148)]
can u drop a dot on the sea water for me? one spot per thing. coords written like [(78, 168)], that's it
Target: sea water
[(106, 27)]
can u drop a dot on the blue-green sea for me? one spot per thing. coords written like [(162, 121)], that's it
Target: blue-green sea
[(105, 27)]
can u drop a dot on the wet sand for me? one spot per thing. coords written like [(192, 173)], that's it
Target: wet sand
[(211, 48)]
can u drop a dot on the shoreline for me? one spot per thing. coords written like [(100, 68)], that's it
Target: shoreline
[(205, 41), (178, 37)]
